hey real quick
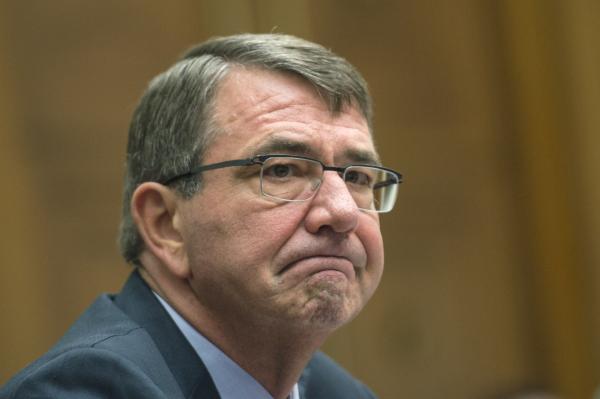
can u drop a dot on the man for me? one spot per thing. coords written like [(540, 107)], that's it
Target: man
[(251, 207)]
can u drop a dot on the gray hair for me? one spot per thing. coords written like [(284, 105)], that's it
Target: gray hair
[(172, 126)]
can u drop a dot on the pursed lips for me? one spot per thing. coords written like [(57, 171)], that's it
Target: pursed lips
[(321, 262)]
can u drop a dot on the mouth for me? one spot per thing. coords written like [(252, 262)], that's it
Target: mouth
[(320, 264)]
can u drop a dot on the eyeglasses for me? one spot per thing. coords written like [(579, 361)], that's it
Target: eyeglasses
[(296, 178)]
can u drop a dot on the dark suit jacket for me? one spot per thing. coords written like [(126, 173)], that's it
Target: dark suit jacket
[(127, 346)]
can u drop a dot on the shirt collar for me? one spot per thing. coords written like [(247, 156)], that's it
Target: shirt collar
[(231, 380)]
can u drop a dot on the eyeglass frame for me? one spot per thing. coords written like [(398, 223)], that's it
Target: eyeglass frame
[(261, 159)]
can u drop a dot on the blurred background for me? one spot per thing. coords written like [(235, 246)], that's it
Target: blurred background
[(489, 108)]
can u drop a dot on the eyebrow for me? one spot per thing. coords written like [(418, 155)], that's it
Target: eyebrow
[(362, 157), (285, 145)]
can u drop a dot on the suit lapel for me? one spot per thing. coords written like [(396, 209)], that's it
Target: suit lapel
[(139, 303)]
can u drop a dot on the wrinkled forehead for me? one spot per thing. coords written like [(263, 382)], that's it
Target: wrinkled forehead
[(254, 105), (244, 84)]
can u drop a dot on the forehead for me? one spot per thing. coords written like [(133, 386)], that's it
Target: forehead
[(258, 110)]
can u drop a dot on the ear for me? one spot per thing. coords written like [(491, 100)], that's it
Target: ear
[(157, 214)]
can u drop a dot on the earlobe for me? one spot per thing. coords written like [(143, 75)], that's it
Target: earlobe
[(155, 210)]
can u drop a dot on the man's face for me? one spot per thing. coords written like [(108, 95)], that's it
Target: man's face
[(258, 260)]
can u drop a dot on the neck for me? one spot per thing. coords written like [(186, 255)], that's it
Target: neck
[(272, 354)]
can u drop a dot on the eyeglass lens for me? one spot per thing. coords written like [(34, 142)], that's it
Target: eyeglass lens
[(297, 179)]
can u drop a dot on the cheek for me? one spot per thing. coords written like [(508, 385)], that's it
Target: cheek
[(369, 234), (254, 235), (264, 233)]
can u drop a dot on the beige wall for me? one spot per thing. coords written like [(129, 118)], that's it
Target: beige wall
[(488, 108)]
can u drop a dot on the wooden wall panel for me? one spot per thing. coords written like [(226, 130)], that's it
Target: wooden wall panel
[(22, 276), (582, 63), (450, 320), (481, 293), (534, 34)]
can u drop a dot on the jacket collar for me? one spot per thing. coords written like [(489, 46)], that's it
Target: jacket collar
[(139, 303)]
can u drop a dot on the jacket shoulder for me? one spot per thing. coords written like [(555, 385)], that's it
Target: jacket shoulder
[(104, 354), (323, 378), (84, 372)]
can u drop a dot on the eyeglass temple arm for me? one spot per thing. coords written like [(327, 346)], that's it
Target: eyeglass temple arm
[(386, 183), (203, 168)]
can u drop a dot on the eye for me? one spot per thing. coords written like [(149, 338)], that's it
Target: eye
[(358, 178), (281, 169)]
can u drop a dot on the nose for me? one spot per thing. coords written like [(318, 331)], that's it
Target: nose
[(332, 207)]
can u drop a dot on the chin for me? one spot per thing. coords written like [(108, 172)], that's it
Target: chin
[(330, 306), (330, 317)]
